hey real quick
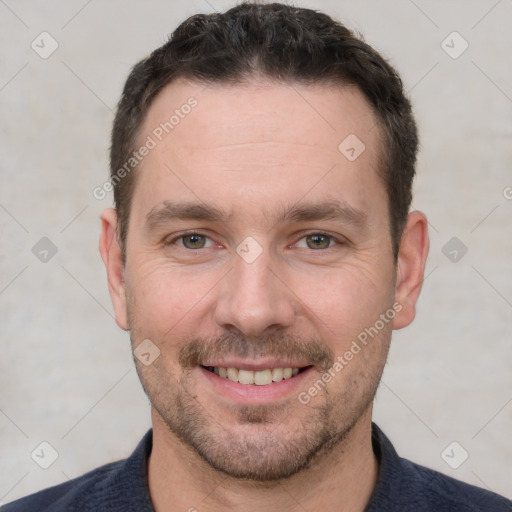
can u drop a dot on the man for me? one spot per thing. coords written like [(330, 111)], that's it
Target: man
[(260, 254)]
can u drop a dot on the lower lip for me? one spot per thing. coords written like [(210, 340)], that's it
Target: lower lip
[(253, 394)]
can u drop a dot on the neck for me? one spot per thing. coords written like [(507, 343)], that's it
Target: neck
[(340, 479)]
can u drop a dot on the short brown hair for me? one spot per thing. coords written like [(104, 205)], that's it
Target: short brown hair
[(287, 44)]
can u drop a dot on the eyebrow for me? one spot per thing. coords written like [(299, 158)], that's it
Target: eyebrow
[(333, 210), (169, 211)]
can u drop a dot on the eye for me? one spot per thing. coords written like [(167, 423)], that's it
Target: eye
[(193, 241), (317, 241)]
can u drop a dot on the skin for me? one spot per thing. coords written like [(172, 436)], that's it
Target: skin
[(253, 151)]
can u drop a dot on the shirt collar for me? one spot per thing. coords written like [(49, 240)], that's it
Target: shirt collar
[(133, 475)]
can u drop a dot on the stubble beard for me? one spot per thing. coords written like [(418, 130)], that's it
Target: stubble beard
[(256, 444)]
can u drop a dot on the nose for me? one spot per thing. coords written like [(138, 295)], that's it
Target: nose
[(254, 299)]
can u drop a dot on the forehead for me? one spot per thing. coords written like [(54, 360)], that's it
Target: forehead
[(260, 139), (265, 112)]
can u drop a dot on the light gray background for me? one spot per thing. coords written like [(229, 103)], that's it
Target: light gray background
[(66, 373)]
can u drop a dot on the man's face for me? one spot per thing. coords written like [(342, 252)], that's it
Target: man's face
[(255, 244)]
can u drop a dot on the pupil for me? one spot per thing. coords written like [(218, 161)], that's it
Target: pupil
[(318, 241), (194, 241)]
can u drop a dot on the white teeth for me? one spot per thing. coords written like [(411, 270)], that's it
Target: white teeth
[(245, 377), (263, 377), (277, 374), (233, 374), (259, 377)]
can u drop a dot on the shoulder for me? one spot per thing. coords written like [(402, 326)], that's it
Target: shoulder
[(443, 493), (65, 496), (116, 487), (403, 485)]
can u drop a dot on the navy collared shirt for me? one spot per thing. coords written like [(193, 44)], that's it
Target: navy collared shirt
[(402, 486)]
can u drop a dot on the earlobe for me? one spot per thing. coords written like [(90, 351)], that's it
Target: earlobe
[(111, 255), (410, 269)]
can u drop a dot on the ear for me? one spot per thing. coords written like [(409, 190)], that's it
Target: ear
[(112, 258), (410, 270)]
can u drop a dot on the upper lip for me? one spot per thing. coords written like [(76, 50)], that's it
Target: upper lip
[(260, 364)]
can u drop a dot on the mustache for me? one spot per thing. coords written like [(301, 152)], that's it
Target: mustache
[(201, 350)]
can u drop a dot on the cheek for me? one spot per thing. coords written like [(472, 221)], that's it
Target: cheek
[(163, 298), (346, 299)]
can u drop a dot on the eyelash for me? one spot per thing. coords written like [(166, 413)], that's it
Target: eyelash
[(321, 233)]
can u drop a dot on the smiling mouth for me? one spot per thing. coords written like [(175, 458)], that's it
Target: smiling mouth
[(258, 377)]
